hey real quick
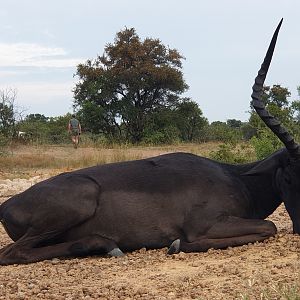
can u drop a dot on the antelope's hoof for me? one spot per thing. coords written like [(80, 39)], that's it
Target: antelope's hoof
[(116, 252), (175, 247)]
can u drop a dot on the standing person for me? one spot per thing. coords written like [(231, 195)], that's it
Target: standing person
[(74, 129)]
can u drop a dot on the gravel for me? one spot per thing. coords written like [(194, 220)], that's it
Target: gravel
[(268, 269)]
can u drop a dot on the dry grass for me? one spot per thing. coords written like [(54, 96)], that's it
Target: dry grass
[(22, 160), (276, 291)]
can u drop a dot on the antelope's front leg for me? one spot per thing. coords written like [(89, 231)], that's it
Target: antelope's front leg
[(230, 232)]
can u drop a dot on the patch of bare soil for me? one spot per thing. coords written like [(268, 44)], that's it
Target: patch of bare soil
[(267, 270)]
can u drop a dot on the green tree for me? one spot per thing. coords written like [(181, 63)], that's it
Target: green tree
[(183, 122), (161, 127), (130, 81), (221, 131), (295, 106), (190, 120), (96, 119), (42, 129), (277, 95), (276, 99), (57, 129), (8, 114), (247, 131), (233, 123), (36, 118)]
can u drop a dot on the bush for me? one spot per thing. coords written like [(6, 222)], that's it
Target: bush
[(248, 131), (220, 131), (156, 138), (265, 144), (4, 142), (168, 135), (95, 140), (231, 153)]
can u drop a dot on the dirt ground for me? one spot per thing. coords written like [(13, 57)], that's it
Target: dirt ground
[(268, 270)]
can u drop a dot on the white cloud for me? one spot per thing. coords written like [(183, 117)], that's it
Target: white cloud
[(34, 55), (50, 99), (3, 12), (8, 73), (48, 34), (43, 92)]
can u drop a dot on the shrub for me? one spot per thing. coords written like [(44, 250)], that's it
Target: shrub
[(4, 142), (168, 135), (220, 131), (265, 144), (231, 153)]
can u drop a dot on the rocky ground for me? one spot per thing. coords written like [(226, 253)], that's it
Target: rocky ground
[(268, 270)]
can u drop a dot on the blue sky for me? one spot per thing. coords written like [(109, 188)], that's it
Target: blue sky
[(223, 41)]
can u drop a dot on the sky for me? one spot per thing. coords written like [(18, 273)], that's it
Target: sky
[(223, 43)]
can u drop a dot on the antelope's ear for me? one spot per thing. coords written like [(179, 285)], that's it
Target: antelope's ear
[(266, 166)]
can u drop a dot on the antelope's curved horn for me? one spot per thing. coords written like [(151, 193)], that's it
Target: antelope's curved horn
[(269, 120)]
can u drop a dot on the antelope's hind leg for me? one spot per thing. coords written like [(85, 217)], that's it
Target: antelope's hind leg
[(25, 251), (229, 232)]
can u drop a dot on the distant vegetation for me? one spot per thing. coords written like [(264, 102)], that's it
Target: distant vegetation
[(132, 95)]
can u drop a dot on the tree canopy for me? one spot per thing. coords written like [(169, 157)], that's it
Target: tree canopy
[(8, 113), (276, 99), (130, 81)]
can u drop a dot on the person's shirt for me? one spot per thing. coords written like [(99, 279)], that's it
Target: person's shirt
[(74, 124)]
